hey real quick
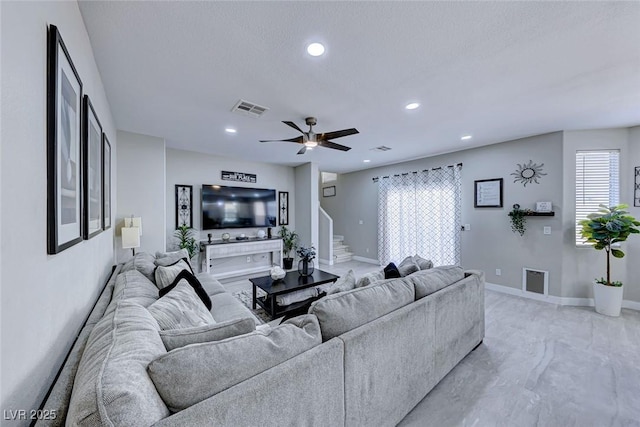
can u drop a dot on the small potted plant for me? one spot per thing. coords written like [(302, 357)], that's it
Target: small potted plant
[(603, 229), (186, 240), (518, 219), (305, 265), (289, 243)]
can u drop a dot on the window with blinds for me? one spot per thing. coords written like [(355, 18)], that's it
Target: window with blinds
[(597, 182)]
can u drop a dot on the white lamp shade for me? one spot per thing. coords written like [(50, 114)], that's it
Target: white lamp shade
[(130, 237), (134, 222)]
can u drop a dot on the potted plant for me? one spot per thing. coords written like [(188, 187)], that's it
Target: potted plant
[(607, 227), (289, 243), (305, 265), (518, 219), (186, 240)]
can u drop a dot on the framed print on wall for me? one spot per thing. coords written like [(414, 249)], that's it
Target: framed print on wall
[(106, 182), (92, 171), (488, 193), (64, 147), (283, 208), (329, 191), (184, 206)]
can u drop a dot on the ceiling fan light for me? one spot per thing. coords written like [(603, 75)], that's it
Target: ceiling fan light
[(311, 144)]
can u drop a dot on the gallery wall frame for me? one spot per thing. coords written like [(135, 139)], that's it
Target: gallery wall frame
[(184, 205), (283, 208), (92, 166), (106, 182), (636, 186), (64, 147), (488, 193), (329, 191)]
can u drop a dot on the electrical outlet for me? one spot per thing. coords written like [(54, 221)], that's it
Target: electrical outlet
[(367, 250), (467, 227), (248, 259), (498, 272), (546, 230), (361, 222)]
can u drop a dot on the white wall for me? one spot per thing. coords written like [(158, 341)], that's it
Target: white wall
[(306, 181), (196, 169), (632, 288), (45, 298), (141, 184)]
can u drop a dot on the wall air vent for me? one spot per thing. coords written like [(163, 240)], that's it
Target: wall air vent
[(249, 108), (381, 148)]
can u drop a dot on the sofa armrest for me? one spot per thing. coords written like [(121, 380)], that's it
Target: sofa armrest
[(478, 273)]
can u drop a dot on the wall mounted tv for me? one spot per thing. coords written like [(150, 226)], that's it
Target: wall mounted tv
[(237, 207)]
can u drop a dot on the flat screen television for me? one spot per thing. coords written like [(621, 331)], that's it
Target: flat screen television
[(237, 207)]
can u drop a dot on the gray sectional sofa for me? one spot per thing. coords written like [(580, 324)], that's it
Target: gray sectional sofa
[(359, 358)]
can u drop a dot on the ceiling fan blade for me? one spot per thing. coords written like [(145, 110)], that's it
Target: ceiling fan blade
[(329, 144), (296, 139), (303, 150), (337, 134), (293, 125)]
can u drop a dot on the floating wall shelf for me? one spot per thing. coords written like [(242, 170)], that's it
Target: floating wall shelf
[(540, 214)]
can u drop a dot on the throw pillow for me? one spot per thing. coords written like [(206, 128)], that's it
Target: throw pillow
[(408, 266), (432, 280), (391, 271), (167, 258), (343, 284), (188, 375), (370, 278), (195, 284), (165, 275), (423, 264), (143, 262), (180, 308), (175, 338)]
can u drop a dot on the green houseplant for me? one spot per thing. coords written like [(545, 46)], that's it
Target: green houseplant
[(289, 243), (518, 219), (604, 229), (186, 240)]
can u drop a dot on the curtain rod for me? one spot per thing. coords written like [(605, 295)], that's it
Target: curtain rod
[(375, 179)]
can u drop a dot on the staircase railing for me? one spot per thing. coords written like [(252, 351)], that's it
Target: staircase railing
[(325, 237)]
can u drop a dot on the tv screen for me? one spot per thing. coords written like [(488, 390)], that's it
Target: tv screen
[(237, 207)]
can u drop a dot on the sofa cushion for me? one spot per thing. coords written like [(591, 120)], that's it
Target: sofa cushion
[(370, 278), (165, 275), (345, 311), (423, 264), (168, 258), (112, 386), (343, 284), (144, 263), (188, 375), (429, 281), (226, 307), (195, 284), (391, 271), (135, 287), (180, 308), (408, 266), (210, 285), (174, 338)]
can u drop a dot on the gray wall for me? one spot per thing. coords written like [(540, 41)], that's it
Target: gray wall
[(45, 298), (632, 247), (306, 183), (490, 244), (141, 185)]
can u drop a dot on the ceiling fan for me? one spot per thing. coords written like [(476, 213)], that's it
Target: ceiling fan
[(311, 139)]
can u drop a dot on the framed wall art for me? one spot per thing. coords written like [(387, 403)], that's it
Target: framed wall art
[(488, 193), (329, 191), (184, 206), (636, 187), (64, 147), (92, 171), (283, 208), (106, 182)]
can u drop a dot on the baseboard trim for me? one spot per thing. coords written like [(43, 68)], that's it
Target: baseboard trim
[(578, 302), (367, 260), (325, 261)]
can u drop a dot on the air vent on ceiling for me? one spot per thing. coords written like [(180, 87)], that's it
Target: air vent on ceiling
[(381, 148), (249, 108)]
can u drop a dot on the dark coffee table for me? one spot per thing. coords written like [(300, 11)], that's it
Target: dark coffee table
[(290, 283)]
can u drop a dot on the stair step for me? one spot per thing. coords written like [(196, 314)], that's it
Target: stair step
[(347, 256)]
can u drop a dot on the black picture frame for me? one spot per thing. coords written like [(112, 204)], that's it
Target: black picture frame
[(64, 147), (488, 193), (92, 172), (636, 186), (329, 191), (184, 205), (283, 208), (106, 182)]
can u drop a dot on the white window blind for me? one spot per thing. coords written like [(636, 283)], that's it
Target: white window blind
[(597, 182)]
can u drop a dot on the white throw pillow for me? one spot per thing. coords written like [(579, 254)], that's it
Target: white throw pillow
[(180, 308)]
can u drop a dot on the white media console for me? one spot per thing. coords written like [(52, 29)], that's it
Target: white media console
[(240, 257)]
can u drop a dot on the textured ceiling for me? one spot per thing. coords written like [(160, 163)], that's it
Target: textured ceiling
[(496, 70)]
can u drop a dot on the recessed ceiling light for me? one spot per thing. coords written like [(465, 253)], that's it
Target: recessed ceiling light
[(412, 105), (464, 138), (230, 130), (315, 49), (366, 161)]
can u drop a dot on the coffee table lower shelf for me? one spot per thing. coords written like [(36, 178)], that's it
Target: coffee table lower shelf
[(274, 310)]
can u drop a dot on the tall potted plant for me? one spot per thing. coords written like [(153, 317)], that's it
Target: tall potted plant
[(289, 243), (603, 229), (186, 240)]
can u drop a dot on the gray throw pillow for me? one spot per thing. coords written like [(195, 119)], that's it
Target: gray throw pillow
[(168, 258), (143, 262), (370, 278), (191, 374), (180, 308), (175, 338), (343, 284), (423, 264), (429, 281), (407, 266), (165, 275)]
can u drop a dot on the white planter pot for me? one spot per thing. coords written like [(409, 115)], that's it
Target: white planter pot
[(608, 299)]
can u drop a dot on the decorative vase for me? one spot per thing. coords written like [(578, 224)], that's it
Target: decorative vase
[(305, 267), (608, 299), (277, 273), (287, 263)]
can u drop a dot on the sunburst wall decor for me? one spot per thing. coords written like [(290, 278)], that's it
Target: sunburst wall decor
[(528, 173)]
